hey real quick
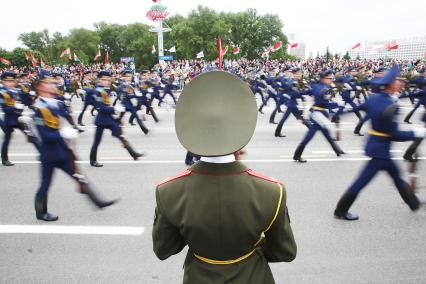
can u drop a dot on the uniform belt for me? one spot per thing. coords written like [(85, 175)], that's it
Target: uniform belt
[(318, 108), (241, 258), (378, 133)]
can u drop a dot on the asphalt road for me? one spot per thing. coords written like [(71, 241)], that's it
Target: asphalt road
[(387, 244)]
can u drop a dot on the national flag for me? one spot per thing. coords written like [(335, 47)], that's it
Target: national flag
[(219, 52), (356, 45), (66, 52), (200, 54), (172, 49), (153, 50), (236, 50), (224, 51), (106, 58), (42, 64), (98, 54), (392, 45), (27, 56), (76, 59), (294, 45), (277, 46), (155, 1), (5, 61)]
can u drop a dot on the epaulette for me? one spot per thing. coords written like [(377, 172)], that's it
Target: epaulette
[(258, 175), (183, 174)]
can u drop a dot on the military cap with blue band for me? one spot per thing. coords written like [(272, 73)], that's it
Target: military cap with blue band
[(216, 114)]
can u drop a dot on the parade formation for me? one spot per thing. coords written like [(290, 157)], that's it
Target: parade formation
[(209, 161)]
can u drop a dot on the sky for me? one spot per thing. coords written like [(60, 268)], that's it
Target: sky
[(338, 24)]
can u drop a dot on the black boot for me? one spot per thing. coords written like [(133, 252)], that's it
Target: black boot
[(409, 153), (409, 197), (298, 154), (357, 129), (154, 115), (93, 159), (5, 159), (336, 147), (145, 129), (94, 198), (40, 206), (343, 206), (135, 155)]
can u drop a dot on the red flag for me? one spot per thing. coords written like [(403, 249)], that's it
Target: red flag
[(98, 54), (219, 51), (5, 61), (224, 51), (356, 45), (277, 46), (294, 45), (392, 45), (236, 50), (106, 58)]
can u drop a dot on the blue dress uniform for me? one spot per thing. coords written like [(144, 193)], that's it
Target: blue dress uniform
[(26, 96), (382, 110), (105, 120), (12, 108), (145, 100), (291, 103), (257, 87), (319, 118), (349, 86), (420, 95), (271, 86), (89, 99), (127, 93), (168, 89), (55, 153)]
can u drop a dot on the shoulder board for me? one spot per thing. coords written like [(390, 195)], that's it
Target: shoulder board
[(258, 175), (183, 174)]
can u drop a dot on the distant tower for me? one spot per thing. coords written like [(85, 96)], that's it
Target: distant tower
[(157, 14)]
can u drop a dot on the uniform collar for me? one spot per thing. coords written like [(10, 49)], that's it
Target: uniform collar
[(205, 168), (219, 160)]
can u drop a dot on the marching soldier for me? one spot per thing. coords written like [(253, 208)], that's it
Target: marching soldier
[(233, 220), (105, 120), (319, 118), (10, 100), (127, 93), (89, 99), (382, 110), (54, 150)]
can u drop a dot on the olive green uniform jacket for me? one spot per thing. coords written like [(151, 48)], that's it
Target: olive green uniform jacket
[(233, 220)]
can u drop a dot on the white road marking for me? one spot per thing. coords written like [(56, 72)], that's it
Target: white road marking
[(248, 161), (71, 230), (349, 151)]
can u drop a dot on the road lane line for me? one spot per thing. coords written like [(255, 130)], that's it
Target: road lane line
[(71, 230), (248, 161)]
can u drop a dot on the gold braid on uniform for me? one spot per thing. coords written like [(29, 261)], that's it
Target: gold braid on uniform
[(232, 261), (10, 101), (106, 98), (50, 120)]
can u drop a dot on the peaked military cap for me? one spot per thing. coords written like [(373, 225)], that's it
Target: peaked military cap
[(104, 73), (216, 114), (387, 78), (8, 75)]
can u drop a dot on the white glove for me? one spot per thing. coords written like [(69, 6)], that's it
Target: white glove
[(32, 93), (358, 88), (162, 85), (347, 87), (68, 133), (119, 109), (419, 132), (25, 119), (67, 96), (150, 90), (19, 106), (341, 103), (113, 94), (81, 92), (332, 85), (138, 94)]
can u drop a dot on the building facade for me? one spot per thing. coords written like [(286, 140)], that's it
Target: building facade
[(299, 51), (404, 49)]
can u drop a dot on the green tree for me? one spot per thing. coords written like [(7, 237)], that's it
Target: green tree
[(347, 56)]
